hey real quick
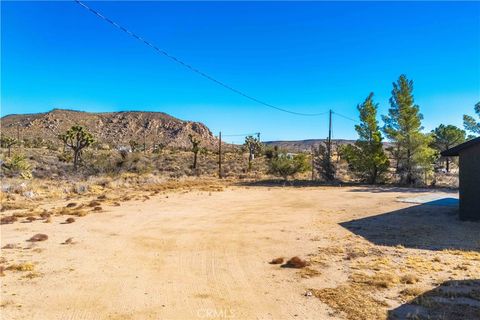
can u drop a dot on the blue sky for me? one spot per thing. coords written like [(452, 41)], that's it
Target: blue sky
[(307, 57)]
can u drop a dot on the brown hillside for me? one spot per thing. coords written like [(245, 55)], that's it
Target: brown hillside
[(113, 128)]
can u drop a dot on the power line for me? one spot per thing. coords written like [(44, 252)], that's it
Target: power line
[(191, 68), (345, 117), (240, 134)]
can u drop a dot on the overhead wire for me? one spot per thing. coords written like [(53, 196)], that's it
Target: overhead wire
[(345, 117), (191, 68)]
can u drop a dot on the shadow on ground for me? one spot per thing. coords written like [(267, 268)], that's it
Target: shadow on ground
[(426, 226), (452, 300)]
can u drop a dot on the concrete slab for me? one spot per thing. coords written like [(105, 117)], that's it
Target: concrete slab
[(443, 200)]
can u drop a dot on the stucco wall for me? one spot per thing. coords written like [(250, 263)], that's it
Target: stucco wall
[(470, 183)]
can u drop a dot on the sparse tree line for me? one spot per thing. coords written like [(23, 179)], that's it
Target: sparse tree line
[(412, 154)]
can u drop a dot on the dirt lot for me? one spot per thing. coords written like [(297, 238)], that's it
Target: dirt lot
[(205, 255)]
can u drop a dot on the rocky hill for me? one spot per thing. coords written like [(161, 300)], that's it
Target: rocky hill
[(113, 128)]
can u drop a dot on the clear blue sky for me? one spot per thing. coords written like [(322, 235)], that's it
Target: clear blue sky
[(308, 57)]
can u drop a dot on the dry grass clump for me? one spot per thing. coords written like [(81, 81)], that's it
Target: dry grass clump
[(71, 205), (70, 220), (353, 303), (2, 274), (381, 280), (27, 266), (79, 213), (45, 215), (30, 219), (277, 260), (11, 246), (295, 262), (309, 273), (38, 237), (68, 241), (97, 208), (8, 219), (409, 278), (32, 275), (15, 206), (94, 203), (361, 252), (465, 254), (411, 292)]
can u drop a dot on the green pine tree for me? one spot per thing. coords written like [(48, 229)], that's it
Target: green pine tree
[(403, 127), (470, 123), (445, 137), (367, 158)]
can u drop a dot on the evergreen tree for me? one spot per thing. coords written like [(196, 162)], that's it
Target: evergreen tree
[(470, 123), (322, 163), (403, 127), (445, 137), (367, 158)]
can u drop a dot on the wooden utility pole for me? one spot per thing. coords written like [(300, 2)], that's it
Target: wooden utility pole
[(329, 141), (220, 155), (313, 163)]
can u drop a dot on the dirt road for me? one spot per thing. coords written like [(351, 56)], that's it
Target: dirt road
[(194, 255)]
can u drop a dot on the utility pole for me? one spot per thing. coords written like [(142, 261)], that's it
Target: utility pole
[(220, 155), (145, 126), (313, 163), (329, 141)]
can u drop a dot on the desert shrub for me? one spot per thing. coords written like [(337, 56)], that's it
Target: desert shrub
[(284, 165), (65, 157), (17, 165)]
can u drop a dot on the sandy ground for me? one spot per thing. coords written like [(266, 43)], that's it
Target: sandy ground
[(201, 255)]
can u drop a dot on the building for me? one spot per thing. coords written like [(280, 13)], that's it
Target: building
[(469, 176)]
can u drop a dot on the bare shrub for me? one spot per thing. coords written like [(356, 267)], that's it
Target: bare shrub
[(70, 220), (8, 220), (296, 262), (277, 261), (38, 237)]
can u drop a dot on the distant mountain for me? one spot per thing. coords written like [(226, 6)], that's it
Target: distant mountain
[(303, 145), (114, 128)]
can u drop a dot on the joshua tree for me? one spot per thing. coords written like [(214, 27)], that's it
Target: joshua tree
[(8, 142), (195, 148), (254, 146), (77, 138)]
